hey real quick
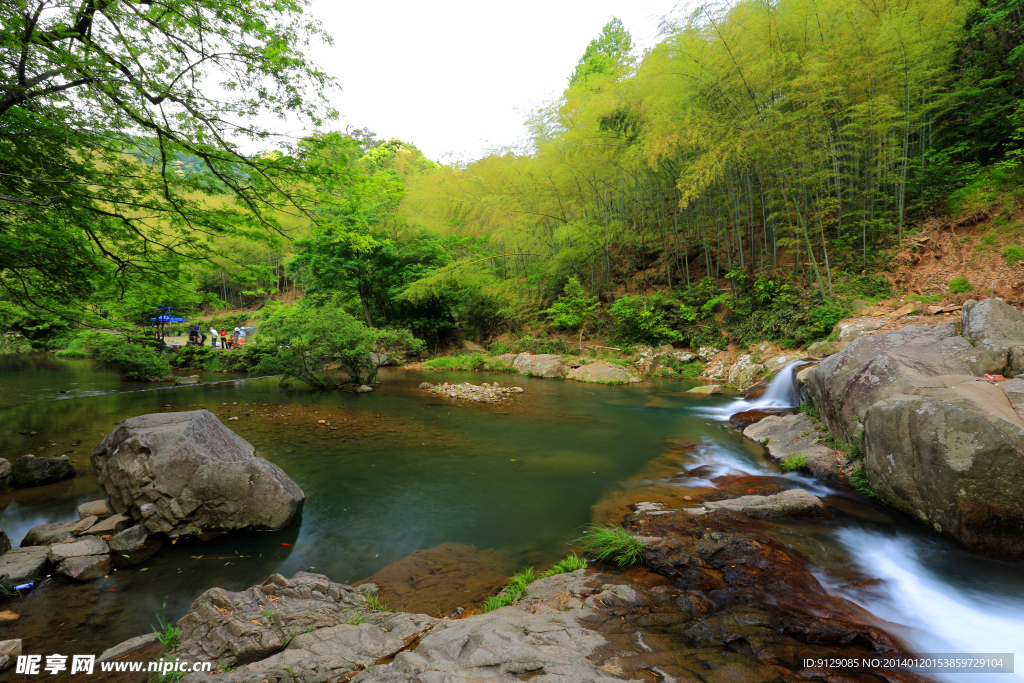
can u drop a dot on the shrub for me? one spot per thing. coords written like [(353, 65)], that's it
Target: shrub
[(574, 310), (611, 545), (473, 361), (528, 344), (960, 285), (645, 319), (192, 357), (1014, 254), (312, 344), (129, 360)]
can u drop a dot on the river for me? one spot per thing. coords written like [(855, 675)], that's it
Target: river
[(401, 470)]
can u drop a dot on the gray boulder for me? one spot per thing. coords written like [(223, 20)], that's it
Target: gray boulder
[(22, 564), (28, 470), (48, 534), (63, 551), (602, 373), (544, 365), (111, 525), (5, 542), (790, 503), (133, 546), (849, 331), (247, 626), (187, 474), (952, 456), (744, 372), (706, 390), (9, 651), (786, 436), (821, 349), (1014, 390), (845, 385), (6, 474), (97, 508), (997, 330), (85, 567)]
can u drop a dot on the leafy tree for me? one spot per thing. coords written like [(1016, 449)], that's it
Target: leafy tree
[(574, 310), (120, 120), (604, 52), (326, 347)]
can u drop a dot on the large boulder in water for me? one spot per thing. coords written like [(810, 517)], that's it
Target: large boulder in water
[(544, 365), (186, 473), (940, 443), (602, 373), (28, 470)]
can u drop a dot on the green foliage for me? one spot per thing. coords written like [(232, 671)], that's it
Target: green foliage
[(574, 310), (611, 545), (570, 563), (795, 463), (193, 357), (1013, 254), (645, 319), (114, 159), (960, 285), (924, 298), (167, 633), (529, 344), (603, 53), (474, 361), (514, 590), (325, 347), (808, 408), (375, 604), (132, 361), (859, 482)]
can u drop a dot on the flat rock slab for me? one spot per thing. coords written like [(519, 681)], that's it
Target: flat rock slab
[(9, 651), (97, 508), (21, 564), (63, 551), (48, 534), (111, 525), (707, 390), (790, 503), (186, 474), (786, 436), (602, 373), (85, 568)]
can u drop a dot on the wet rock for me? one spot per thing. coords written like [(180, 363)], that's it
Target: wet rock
[(133, 546), (251, 625), (755, 392), (848, 331), (791, 503), (84, 525), (127, 646), (5, 542), (683, 356), (186, 381), (821, 349), (483, 393), (541, 365), (997, 328), (85, 568), (744, 372), (22, 564), (6, 474), (748, 417), (28, 470), (9, 651), (63, 551), (187, 474), (602, 373), (707, 390), (777, 363), (47, 534), (364, 389), (111, 525), (96, 508), (798, 434)]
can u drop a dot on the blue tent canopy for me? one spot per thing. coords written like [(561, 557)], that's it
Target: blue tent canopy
[(167, 319)]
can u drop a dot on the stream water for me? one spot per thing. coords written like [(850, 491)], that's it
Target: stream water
[(401, 470)]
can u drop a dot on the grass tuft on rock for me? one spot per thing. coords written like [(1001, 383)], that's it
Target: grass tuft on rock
[(611, 545), (795, 463), (516, 587), (470, 361), (564, 566)]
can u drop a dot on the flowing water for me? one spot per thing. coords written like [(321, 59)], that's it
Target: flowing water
[(401, 470)]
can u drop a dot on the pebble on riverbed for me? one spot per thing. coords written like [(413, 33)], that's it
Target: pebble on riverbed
[(484, 393)]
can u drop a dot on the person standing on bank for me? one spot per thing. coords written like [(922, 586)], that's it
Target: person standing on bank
[(213, 337), (223, 338)]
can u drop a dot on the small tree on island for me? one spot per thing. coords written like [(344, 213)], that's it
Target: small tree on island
[(318, 345), (574, 310)]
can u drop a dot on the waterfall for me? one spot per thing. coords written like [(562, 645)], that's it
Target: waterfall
[(781, 393)]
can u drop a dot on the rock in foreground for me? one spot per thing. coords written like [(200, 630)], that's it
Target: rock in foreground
[(186, 473)]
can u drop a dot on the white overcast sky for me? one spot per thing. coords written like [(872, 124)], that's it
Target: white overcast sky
[(457, 77)]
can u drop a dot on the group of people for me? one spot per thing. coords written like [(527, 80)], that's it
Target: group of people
[(233, 340)]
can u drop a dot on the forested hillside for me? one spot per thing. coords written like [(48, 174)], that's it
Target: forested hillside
[(744, 179)]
